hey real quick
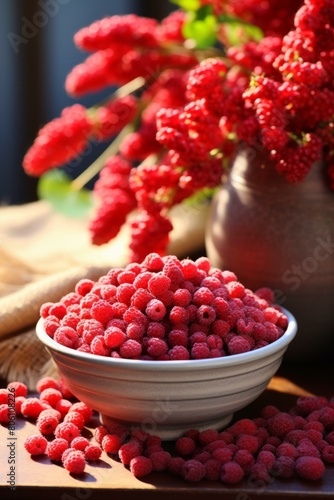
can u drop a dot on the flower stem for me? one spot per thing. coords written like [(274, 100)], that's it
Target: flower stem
[(98, 164)]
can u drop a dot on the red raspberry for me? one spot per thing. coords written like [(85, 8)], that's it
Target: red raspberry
[(102, 311), (111, 443), (223, 455), (269, 411), (182, 297), (141, 298), (247, 442), (185, 445), (126, 277), (56, 448), (177, 337), (158, 284), (19, 388), (58, 310), (231, 473), (159, 460), (99, 432), (266, 458), (203, 296), (155, 329), (66, 336), (243, 426), (280, 425), (114, 337), (307, 448), (51, 396), (208, 436), (86, 411), (245, 459), (327, 454), (63, 406), (212, 470), (74, 461), (47, 423), (50, 327), (156, 347), (202, 456), (283, 467), (66, 430), (259, 473), (75, 418), (200, 350), (84, 286), (4, 417), (125, 292), (140, 466), (193, 470), (18, 403), (238, 345), (35, 444), (130, 349), (79, 443), (286, 450), (310, 468), (178, 352), (99, 347), (92, 453), (4, 396), (32, 407), (155, 310), (128, 451), (175, 465)]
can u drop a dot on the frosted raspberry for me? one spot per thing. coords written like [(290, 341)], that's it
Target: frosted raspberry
[(223, 455), (84, 286), (66, 336), (130, 349), (212, 470), (185, 445), (200, 350), (114, 337), (259, 473), (58, 310), (243, 426), (327, 454), (245, 459), (128, 451), (70, 319), (178, 352), (18, 403), (47, 423), (86, 411), (266, 458), (74, 461), (4, 396), (193, 470), (75, 418), (158, 284), (280, 424), (92, 452), (63, 406), (238, 345), (155, 310), (102, 311), (56, 448), (79, 443), (4, 417), (50, 327), (99, 347), (307, 448), (111, 443), (248, 442), (19, 388), (283, 467), (32, 407), (156, 347), (141, 466), (125, 292), (202, 456), (141, 298), (66, 430), (310, 468), (231, 473), (175, 465), (35, 444), (51, 396)]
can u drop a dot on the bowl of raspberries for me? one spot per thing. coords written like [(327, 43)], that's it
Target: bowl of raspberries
[(166, 344)]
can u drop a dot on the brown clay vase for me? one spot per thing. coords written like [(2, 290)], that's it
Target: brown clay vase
[(272, 233)]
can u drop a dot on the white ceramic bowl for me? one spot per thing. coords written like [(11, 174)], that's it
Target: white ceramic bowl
[(168, 397)]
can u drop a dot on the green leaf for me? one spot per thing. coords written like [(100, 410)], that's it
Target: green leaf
[(56, 187), (202, 31), (187, 4), (239, 31)]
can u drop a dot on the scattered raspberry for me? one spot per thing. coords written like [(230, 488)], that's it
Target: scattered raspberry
[(310, 468), (110, 443), (159, 460), (79, 443), (128, 451), (66, 430), (140, 466), (47, 423), (19, 388), (75, 418), (185, 446), (231, 472), (193, 470), (74, 461), (56, 448), (32, 407), (35, 444), (83, 409), (51, 396), (92, 453)]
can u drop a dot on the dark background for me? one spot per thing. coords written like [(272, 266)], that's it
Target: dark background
[(36, 54)]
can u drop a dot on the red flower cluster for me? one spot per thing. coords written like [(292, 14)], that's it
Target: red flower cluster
[(194, 107)]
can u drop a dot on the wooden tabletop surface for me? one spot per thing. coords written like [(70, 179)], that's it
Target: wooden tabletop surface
[(108, 479)]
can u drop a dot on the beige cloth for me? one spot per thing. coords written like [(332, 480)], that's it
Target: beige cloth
[(43, 255)]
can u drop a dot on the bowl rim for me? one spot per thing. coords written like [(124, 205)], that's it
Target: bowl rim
[(166, 365)]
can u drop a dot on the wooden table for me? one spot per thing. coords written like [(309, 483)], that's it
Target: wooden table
[(38, 478)]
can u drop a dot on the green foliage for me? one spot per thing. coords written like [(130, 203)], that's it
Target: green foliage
[(55, 186)]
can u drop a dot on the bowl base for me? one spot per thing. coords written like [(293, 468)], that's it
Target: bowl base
[(170, 432)]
